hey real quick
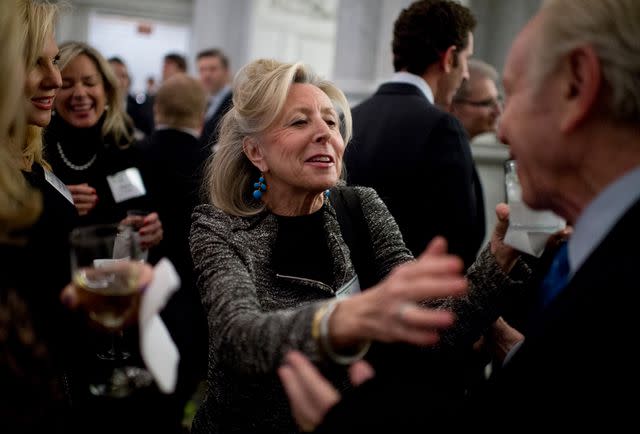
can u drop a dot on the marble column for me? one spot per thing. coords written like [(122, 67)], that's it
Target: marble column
[(223, 24)]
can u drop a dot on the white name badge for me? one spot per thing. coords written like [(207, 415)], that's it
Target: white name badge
[(58, 185), (126, 185), (352, 287)]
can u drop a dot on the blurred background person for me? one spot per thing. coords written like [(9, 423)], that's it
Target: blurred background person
[(139, 107), (172, 166), (173, 63), (478, 103), (213, 71)]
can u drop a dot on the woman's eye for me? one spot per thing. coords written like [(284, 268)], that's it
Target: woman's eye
[(299, 122), (330, 122), (55, 61)]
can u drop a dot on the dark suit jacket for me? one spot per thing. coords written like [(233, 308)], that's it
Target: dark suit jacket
[(172, 170), (577, 369), (141, 113), (210, 131), (417, 158)]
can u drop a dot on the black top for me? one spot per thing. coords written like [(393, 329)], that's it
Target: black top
[(79, 146), (48, 245), (301, 248)]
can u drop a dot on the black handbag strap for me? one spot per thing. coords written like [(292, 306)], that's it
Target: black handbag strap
[(355, 233)]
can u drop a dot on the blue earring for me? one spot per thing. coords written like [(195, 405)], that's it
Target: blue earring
[(260, 187), (327, 192)]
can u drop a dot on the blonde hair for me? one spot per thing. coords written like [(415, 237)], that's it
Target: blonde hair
[(39, 19), (180, 102), (259, 93), (19, 205), (117, 125), (611, 28)]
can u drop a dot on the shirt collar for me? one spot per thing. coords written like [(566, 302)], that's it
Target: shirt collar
[(416, 80), (192, 131), (599, 217)]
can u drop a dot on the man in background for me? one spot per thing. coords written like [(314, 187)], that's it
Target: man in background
[(213, 70), (172, 170), (173, 63), (415, 155), (139, 107), (478, 104)]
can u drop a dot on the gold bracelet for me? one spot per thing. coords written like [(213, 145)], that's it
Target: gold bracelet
[(315, 323)]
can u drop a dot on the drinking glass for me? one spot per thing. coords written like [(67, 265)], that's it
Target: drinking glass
[(108, 283), (135, 219), (520, 215)]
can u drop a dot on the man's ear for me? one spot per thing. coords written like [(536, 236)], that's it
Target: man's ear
[(582, 80), (448, 59), (252, 149)]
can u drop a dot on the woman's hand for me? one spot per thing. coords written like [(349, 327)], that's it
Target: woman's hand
[(151, 232), (310, 394), (506, 256), (389, 312), (84, 197)]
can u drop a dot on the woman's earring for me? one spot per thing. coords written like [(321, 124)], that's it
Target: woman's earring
[(260, 187), (327, 192)]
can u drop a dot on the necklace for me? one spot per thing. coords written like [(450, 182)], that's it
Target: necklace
[(75, 166)]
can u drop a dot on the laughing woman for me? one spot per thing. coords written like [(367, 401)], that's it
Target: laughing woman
[(88, 143)]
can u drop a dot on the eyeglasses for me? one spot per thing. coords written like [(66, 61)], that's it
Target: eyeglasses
[(485, 103)]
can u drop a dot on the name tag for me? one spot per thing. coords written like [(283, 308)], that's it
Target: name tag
[(352, 287), (126, 185), (55, 182)]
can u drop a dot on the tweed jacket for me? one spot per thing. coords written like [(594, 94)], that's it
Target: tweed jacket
[(255, 316)]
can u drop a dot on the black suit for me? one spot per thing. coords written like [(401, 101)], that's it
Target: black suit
[(417, 158), (141, 113), (172, 170), (575, 370), (210, 131)]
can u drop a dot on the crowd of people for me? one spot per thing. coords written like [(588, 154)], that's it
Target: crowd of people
[(331, 267)]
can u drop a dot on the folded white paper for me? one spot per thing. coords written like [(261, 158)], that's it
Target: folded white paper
[(530, 242), (158, 350)]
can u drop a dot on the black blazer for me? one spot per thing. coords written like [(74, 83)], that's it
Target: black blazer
[(575, 369), (417, 158), (210, 131), (172, 164), (141, 113), (579, 354)]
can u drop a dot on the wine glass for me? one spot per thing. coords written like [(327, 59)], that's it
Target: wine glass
[(108, 281)]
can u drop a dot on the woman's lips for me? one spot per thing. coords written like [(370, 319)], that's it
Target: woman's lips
[(43, 103)]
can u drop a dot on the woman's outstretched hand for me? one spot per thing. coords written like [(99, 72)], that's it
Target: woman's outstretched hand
[(390, 311)]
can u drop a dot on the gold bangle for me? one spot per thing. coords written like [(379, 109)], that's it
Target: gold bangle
[(315, 323)]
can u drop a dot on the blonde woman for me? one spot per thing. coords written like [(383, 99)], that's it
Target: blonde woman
[(275, 271), (90, 140)]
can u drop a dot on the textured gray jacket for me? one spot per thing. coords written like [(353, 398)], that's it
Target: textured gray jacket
[(255, 316)]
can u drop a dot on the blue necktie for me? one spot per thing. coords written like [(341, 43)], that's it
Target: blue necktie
[(557, 277)]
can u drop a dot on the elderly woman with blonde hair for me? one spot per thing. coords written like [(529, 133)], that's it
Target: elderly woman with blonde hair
[(277, 260)]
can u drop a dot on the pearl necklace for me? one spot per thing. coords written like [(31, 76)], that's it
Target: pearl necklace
[(75, 166)]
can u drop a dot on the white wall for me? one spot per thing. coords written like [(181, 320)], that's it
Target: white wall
[(115, 35)]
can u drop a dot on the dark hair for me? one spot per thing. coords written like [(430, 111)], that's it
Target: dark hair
[(425, 30), (215, 52), (178, 59), (116, 59)]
